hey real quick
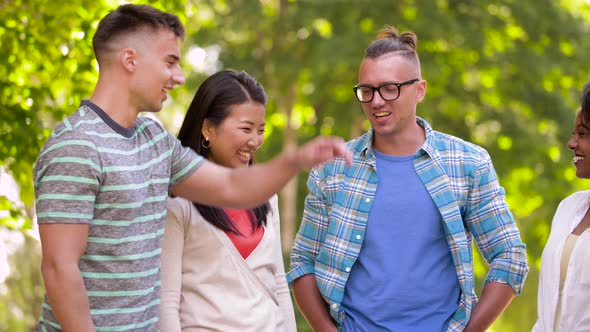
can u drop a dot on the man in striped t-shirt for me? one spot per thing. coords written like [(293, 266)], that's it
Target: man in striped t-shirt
[(102, 178)]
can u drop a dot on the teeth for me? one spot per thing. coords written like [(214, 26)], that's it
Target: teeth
[(379, 114), (244, 154), (578, 158)]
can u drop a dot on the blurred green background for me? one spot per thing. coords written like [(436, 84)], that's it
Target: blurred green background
[(503, 74)]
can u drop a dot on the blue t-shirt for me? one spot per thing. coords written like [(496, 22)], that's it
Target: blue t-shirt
[(404, 278)]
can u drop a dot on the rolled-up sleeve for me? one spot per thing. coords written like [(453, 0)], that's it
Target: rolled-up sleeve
[(489, 219)]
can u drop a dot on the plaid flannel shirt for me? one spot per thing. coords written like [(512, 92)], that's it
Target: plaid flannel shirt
[(462, 182)]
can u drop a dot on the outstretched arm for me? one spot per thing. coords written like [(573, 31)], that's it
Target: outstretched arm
[(220, 186)]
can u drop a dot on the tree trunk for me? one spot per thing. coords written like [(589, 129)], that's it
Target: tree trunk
[(288, 201)]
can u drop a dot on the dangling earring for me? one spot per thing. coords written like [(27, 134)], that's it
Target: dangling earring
[(206, 143)]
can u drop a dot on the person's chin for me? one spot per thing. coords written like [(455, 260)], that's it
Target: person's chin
[(155, 108), (582, 172), (239, 163)]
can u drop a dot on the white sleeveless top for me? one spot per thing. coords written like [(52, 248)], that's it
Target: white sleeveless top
[(575, 295)]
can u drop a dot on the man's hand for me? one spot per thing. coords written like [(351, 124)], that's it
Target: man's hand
[(320, 150)]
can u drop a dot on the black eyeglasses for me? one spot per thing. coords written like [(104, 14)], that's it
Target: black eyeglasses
[(387, 91)]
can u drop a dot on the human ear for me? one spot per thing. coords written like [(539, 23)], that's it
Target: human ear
[(421, 90), (128, 59), (208, 129)]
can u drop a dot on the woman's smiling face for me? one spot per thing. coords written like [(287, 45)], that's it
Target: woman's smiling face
[(235, 140), (580, 145)]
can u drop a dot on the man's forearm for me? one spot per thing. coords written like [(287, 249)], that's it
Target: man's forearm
[(494, 299), (312, 305), (260, 181), (273, 175), (68, 298)]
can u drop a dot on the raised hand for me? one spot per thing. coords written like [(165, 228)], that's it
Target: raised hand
[(320, 150)]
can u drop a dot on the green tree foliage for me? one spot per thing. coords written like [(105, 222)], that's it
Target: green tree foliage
[(503, 74), (47, 67), (22, 292)]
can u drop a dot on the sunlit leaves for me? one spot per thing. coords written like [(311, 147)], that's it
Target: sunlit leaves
[(278, 120), (522, 202), (554, 153), (578, 8), (514, 31), (566, 47), (323, 27), (43, 48), (569, 174), (504, 142), (302, 114), (410, 13), (367, 25), (12, 218)]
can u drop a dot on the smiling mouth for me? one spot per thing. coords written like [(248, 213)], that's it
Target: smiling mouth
[(578, 158), (381, 114), (244, 154)]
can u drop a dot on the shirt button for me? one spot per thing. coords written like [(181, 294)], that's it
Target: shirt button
[(347, 269), (334, 305), (367, 200), (358, 237)]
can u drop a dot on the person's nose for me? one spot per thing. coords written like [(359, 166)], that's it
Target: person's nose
[(178, 76), (377, 99), (571, 144), (251, 143), (255, 141)]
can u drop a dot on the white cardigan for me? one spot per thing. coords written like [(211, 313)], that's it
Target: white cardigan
[(575, 310), (208, 286)]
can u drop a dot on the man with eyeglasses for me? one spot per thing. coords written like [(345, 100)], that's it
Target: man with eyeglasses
[(386, 245)]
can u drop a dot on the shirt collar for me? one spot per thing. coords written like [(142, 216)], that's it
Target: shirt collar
[(427, 147)]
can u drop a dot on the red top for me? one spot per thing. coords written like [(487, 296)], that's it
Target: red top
[(248, 241)]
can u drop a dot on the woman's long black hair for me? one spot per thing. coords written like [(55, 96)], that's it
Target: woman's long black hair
[(212, 101)]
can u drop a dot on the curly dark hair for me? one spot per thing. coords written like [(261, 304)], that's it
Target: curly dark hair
[(585, 106)]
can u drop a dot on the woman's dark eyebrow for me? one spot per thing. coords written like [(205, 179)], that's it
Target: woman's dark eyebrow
[(252, 123)]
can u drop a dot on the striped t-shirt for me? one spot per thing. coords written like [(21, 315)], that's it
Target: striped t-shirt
[(93, 171)]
